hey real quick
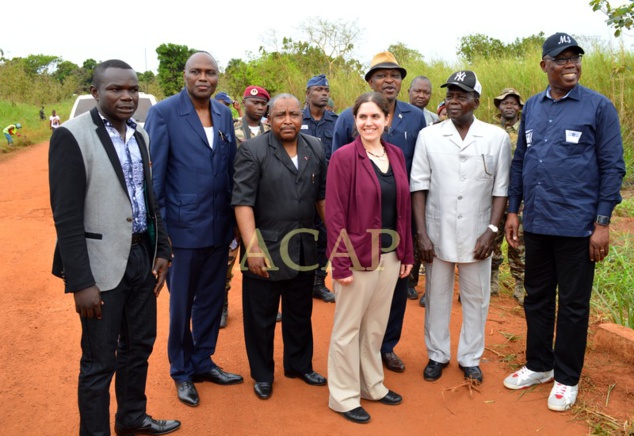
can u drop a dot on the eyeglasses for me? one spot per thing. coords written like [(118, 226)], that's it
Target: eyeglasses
[(576, 59)]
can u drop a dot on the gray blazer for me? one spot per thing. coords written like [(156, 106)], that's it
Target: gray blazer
[(91, 206)]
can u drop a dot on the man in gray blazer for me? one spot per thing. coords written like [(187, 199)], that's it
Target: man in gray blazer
[(112, 250)]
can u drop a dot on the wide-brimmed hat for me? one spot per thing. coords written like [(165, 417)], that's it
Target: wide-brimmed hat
[(505, 93), (384, 61), (559, 42)]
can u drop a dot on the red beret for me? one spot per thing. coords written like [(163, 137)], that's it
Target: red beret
[(256, 92)]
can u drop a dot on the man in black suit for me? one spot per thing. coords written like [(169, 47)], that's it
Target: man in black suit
[(279, 183), (112, 250)]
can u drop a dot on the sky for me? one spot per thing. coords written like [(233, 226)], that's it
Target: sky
[(131, 30)]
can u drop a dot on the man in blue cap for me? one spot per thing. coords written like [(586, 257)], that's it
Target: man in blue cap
[(567, 171), (320, 123), (224, 98)]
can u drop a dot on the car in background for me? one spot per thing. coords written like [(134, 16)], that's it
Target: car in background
[(85, 103)]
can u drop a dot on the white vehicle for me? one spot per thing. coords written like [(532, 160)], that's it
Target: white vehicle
[(85, 103)]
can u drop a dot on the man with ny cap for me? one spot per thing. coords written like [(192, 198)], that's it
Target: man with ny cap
[(255, 99), (567, 171), (404, 123), (509, 104), (459, 183), (319, 122)]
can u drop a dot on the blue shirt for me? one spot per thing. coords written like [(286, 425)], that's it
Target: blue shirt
[(568, 165), (407, 123), (322, 129), (132, 166)]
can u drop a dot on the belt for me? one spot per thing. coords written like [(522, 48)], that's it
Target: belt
[(137, 238)]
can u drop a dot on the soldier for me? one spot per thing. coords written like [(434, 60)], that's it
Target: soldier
[(319, 122), (510, 104)]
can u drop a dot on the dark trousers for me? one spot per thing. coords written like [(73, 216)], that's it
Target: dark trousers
[(322, 240), (260, 301), (397, 315), (121, 341), (557, 265), (196, 282)]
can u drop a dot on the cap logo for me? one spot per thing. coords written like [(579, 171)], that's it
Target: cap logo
[(254, 91), (564, 39), (460, 76)]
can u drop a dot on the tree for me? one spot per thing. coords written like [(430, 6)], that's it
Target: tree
[(619, 17), (65, 69), (404, 54), (334, 39), (172, 59), (479, 45)]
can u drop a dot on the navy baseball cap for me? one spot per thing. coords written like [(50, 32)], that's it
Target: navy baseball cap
[(319, 80), (559, 42), (224, 97)]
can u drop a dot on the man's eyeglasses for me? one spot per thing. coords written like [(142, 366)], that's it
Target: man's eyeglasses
[(576, 59)]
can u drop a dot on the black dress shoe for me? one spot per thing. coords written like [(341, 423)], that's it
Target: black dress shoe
[(218, 376), (422, 301), (311, 378), (358, 415), (187, 393), (393, 362), (391, 399), (263, 390), (433, 370), (472, 372), (412, 294), (149, 426)]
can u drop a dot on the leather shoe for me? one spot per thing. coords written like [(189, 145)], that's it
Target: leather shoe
[(472, 372), (149, 426), (393, 362), (218, 376), (263, 390), (391, 399), (311, 378), (433, 370), (187, 393), (358, 415), (422, 301), (412, 294)]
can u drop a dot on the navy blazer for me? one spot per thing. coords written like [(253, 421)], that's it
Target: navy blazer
[(192, 181)]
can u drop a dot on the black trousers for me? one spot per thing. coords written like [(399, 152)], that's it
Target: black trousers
[(557, 266), (397, 315), (260, 301), (121, 341)]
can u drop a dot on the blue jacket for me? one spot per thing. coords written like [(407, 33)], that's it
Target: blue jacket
[(322, 129), (568, 165), (407, 123), (192, 182)]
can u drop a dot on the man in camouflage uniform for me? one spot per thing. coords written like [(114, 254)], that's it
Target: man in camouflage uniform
[(509, 103), (250, 125), (319, 122)]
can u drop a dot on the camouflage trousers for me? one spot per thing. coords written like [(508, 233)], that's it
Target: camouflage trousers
[(515, 255), (233, 255)]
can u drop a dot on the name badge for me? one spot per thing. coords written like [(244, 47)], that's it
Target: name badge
[(529, 138), (304, 126), (573, 136)]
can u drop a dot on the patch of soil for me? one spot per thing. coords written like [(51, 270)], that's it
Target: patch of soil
[(40, 332)]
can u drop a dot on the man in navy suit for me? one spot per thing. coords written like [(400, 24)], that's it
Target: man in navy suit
[(193, 147)]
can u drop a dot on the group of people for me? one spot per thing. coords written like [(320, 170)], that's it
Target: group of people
[(390, 185)]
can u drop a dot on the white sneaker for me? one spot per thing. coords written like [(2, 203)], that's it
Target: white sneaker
[(525, 378), (562, 397)]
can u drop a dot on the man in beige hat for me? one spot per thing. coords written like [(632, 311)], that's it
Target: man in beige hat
[(509, 104), (404, 123)]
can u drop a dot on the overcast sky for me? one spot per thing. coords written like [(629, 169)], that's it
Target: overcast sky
[(132, 29)]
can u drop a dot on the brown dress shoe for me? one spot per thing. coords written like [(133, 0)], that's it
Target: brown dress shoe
[(393, 362)]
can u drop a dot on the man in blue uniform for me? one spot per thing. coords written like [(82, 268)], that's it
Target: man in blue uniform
[(567, 169), (405, 122), (319, 122)]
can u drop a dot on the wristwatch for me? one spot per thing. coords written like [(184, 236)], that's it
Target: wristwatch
[(493, 228), (602, 220)]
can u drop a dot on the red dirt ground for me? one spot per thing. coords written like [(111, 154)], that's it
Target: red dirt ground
[(39, 336)]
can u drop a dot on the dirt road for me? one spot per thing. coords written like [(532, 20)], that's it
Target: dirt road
[(39, 338)]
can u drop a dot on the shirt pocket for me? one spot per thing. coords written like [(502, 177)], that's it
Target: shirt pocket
[(576, 138), (485, 166)]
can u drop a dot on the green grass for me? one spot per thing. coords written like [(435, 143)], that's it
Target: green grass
[(34, 130)]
